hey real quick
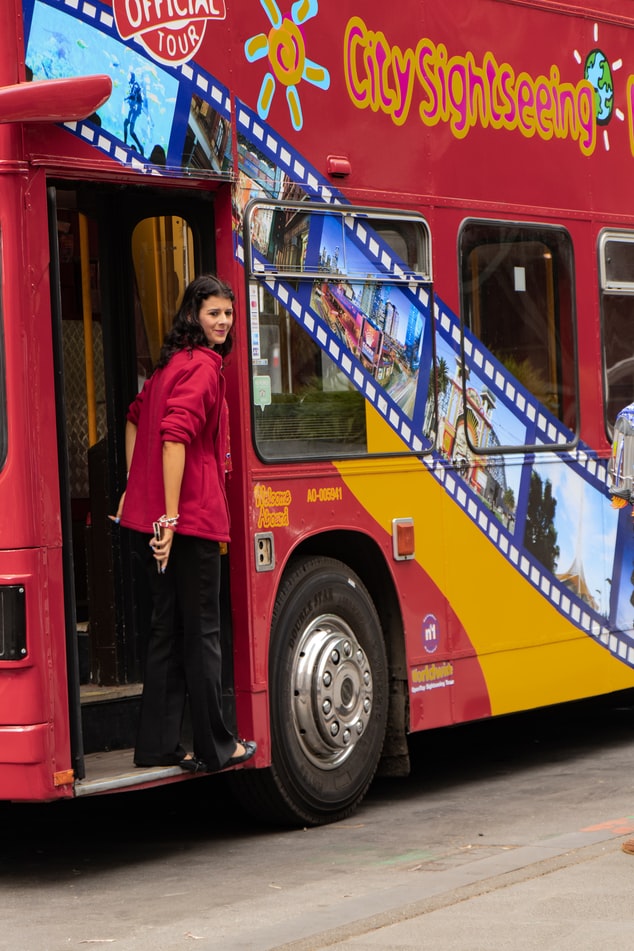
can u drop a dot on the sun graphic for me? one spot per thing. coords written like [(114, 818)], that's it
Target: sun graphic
[(284, 46), (598, 71)]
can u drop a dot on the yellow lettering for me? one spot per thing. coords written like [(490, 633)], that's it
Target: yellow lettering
[(462, 92)]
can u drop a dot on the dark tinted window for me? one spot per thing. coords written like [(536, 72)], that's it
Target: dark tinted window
[(517, 299)]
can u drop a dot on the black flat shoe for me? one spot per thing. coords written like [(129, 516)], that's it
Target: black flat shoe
[(250, 746), (193, 765)]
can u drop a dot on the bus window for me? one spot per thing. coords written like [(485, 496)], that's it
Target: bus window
[(335, 312), (616, 267), (517, 298), (314, 410)]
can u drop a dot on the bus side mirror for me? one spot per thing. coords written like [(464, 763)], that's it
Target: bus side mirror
[(621, 466)]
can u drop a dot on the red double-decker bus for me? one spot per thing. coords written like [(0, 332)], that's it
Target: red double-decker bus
[(425, 212)]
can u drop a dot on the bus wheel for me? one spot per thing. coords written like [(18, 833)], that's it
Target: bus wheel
[(328, 692)]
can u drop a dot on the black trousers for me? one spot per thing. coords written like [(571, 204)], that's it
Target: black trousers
[(184, 659)]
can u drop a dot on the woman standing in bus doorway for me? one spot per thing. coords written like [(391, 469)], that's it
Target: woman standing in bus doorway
[(177, 457)]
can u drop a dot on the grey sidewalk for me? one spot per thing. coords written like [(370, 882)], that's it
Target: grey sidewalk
[(570, 893)]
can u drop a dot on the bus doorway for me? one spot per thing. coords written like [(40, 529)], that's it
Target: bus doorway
[(120, 261)]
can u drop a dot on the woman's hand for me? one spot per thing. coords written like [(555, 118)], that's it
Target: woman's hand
[(162, 546), (117, 518)]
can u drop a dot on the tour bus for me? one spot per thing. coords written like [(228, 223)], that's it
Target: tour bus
[(426, 214)]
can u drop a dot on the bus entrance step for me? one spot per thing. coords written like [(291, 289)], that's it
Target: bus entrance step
[(108, 772), (109, 716)]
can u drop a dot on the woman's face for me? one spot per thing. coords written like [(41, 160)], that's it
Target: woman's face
[(216, 318)]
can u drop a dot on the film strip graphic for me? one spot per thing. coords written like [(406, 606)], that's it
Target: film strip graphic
[(544, 428), (284, 157), (190, 78)]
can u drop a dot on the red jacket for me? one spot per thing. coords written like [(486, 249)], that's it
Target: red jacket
[(182, 402)]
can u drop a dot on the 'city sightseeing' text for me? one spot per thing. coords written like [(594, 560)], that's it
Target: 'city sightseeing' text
[(462, 92)]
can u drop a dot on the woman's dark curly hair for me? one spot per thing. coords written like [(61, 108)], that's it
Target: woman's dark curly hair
[(186, 331)]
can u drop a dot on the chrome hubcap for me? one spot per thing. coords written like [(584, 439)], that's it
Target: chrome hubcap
[(332, 691)]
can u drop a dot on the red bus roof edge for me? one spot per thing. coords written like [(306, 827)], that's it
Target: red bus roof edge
[(54, 100)]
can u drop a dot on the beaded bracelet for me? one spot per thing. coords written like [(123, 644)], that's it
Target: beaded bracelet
[(166, 522)]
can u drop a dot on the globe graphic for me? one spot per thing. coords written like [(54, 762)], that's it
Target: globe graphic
[(597, 71)]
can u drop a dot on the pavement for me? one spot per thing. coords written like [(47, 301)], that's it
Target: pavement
[(571, 892)]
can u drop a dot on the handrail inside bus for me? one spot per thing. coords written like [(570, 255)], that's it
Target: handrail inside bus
[(54, 100)]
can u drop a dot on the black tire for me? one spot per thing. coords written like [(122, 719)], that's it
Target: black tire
[(328, 696)]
